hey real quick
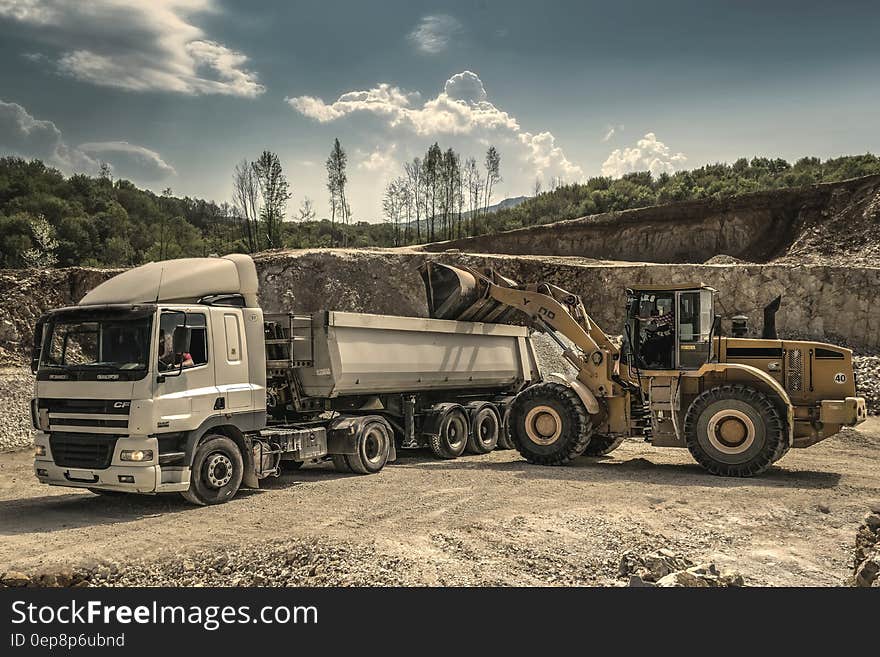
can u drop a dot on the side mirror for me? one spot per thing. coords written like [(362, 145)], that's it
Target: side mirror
[(181, 339), (38, 346)]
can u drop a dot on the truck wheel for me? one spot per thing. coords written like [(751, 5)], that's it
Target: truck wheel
[(504, 439), (549, 424), (485, 428), (217, 470), (452, 434), (600, 445), (734, 430), (373, 445), (340, 464)]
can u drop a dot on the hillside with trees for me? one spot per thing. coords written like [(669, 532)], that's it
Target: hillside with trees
[(48, 219)]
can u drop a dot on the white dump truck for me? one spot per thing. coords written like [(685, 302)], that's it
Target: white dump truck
[(169, 377)]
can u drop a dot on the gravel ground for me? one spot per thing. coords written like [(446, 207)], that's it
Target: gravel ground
[(16, 389)]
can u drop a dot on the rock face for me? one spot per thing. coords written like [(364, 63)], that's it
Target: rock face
[(829, 220)]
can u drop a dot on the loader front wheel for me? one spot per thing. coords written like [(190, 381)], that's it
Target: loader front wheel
[(549, 424), (734, 430)]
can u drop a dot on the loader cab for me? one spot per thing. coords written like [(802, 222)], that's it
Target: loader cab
[(669, 328)]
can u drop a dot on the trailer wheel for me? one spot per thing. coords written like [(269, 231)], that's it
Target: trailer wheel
[(600, 444), (452, 433), (217, 470), (504, 439), (485, 429), (549, 424), (734, 431), (373, 445)]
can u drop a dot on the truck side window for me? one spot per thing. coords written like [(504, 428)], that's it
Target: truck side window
[(195, 354)]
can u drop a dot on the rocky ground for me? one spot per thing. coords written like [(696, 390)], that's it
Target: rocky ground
[(478, 520), (16, 390)]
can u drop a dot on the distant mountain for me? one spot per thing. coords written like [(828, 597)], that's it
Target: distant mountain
[(506, 204)]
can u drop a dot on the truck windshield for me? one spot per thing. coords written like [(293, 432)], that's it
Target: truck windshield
[(101, 343)]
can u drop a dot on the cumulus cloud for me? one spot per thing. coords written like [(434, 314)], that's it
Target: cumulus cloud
[(24, 135), (138, 45), (130, 160), (433, 33), (649, 154), (380, 160), (461, 109)]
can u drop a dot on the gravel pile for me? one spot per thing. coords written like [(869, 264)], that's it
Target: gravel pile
[(867, 372), (665, 568), (16, 388), (866, 568), (300, 562)]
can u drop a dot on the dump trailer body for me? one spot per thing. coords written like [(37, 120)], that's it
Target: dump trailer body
[(362, 354)]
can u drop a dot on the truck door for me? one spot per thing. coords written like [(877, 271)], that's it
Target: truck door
[(187, 394), (231, 361), (694, 321)]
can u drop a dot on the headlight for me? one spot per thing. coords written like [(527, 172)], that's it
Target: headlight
[(136, 455), (40, 450)]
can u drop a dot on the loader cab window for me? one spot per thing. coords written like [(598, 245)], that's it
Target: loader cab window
[(695, 315), (652, 330), (183, 340)]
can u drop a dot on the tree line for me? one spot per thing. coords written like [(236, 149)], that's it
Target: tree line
[(48, 219), (440, 197)]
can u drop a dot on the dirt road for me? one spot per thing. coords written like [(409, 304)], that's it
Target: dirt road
[(492, 519)]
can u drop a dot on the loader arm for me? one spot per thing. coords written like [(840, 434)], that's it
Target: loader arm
[(550, 309)]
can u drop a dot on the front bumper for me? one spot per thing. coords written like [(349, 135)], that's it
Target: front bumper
[(120, 476), (849, 412)]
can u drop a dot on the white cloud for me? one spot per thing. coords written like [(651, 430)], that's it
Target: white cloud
[(648, 154), (610, 131), (380, 160), (138, 45), (130, 160), (462, 110), (433, 33), (24, 135)]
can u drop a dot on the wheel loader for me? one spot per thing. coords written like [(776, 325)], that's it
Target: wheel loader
[(737, 403)]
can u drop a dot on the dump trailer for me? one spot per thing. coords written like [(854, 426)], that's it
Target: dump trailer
[(737, 403), (170, 378)]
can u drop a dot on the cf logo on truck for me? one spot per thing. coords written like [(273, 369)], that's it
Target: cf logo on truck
[(124, 404)]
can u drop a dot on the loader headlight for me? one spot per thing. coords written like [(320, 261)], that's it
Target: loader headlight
[(136, 455), (40, 450)]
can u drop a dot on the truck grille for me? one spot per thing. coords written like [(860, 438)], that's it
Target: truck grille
[(82, 451), (93, 412), (795, 371)]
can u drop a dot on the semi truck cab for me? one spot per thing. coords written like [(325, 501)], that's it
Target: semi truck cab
[(125, 380)]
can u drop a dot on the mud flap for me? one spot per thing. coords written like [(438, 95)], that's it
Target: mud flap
[(249, 479)]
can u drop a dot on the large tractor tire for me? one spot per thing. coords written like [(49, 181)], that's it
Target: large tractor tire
[(600, 444), (450, 439), (217, 470), (485, 428), (734, 431), (549, 424)]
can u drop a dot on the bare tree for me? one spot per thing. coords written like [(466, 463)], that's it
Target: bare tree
[(473, 185), (246, 198), (275, 191), (307, 210), (414, 181), (538, 187), (394, 202)]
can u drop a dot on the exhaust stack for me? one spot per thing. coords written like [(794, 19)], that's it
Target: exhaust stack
[(769, 330)]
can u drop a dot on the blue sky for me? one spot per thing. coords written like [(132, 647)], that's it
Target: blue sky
[(172, 93)]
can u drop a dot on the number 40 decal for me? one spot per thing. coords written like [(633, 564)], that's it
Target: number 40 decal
[(840, 377)]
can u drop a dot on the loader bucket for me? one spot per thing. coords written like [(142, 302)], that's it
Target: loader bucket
[(460, 293)]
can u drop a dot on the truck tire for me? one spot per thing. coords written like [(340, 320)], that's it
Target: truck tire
[(217, 470), (600, 444), (504, 439), (549, 424), (340, 464), (373, 446), (451, 436), (485, 428), (734, 430)]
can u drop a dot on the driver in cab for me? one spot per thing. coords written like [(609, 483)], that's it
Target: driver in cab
[(170, 359)]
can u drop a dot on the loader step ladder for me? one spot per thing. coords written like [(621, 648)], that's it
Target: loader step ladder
[(289, 341)]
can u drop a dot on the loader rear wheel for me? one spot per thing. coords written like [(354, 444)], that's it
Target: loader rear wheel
[(217, 470), (373, 447), (452, 434), (549, 424), (485, 429), (734, 431), (600, 444)]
